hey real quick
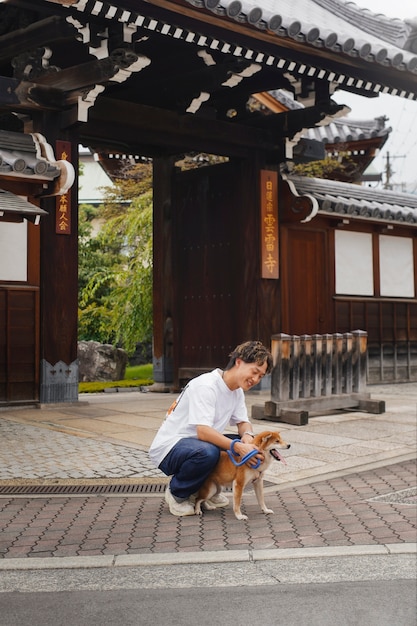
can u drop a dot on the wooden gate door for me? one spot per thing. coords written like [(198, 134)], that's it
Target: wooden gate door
[(19, 329), (19, 350), (304, 282), (206, 269)]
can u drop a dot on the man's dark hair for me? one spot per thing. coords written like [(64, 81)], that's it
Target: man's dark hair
[(251, 352)]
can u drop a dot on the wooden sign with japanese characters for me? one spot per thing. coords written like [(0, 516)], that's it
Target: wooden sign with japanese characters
[(269, 225), (63, 204)]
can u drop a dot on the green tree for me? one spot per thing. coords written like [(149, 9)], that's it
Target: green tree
[(342, 167), (98, 263), (115, 266)]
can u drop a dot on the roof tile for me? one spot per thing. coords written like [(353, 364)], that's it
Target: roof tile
[(358, 201), (337, 24)]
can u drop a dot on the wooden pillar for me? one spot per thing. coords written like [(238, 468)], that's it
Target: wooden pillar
[(337, 362), (280, 376), (164, 319), (59, 280), (359, 359), (317, 365), (348, 376), (305, 366), (259, 297), (327, 365)]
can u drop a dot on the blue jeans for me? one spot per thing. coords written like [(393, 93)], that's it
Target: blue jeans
[(189, 463)]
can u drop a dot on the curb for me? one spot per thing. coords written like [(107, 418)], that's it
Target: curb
[(189, 558)]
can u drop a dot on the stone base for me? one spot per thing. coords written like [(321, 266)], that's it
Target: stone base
[(59, 382), (296, 412)]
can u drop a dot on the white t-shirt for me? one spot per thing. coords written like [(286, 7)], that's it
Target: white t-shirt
[(206, 400)]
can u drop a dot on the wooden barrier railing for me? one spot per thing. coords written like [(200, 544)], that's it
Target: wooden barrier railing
[(317, 373)]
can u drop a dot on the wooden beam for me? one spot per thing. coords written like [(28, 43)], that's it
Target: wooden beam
[(288, 123), (138, 124), (168, 132), (266, 41), (80, 76), (42, 33), (58, 89), (271, 103), (17, 94)]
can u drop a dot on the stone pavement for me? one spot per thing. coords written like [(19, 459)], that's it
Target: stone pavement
[(76, 481)]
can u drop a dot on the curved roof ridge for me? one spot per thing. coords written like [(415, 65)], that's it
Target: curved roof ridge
[(322, 185), (341, 129), (377, 123), (338, 25), (357, 202), (395, 31)]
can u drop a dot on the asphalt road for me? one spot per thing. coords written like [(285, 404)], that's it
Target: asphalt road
[(371, 603), (346, 591)]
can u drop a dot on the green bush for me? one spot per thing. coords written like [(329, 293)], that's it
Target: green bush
[(135, 376), (133, 372)]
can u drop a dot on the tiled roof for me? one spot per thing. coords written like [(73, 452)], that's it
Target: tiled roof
[(306, 41), (17, 206), (19, 157), (333, 24), (342, 129), (358, 202), (30, 158), (345, 130)]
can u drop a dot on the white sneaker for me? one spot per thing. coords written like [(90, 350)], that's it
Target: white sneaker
[(180, 509), (218, 501)]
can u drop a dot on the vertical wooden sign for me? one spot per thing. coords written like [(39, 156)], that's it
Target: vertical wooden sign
[(63, 203), (269, 225)]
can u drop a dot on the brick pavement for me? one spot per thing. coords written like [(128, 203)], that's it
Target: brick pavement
[(47, 454), (372, 507), (349, 485)]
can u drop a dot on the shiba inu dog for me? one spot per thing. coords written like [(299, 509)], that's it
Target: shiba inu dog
[(226, 473)]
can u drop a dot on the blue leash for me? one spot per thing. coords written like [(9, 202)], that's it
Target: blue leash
[(246, 458)]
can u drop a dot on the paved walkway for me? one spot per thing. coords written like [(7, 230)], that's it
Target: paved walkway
[(349, 485)]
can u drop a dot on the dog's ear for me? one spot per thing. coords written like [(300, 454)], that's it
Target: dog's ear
[(275, 435)]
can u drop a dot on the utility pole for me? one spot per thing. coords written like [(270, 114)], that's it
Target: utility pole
[(389, 171)]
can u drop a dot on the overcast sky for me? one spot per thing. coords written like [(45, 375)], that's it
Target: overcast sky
[(402, 114)]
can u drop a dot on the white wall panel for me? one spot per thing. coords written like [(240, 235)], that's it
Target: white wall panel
[(13, 251), (354, 265), (396, 266)]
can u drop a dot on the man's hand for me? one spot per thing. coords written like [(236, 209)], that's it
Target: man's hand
[(247, 438), (245, 448)]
